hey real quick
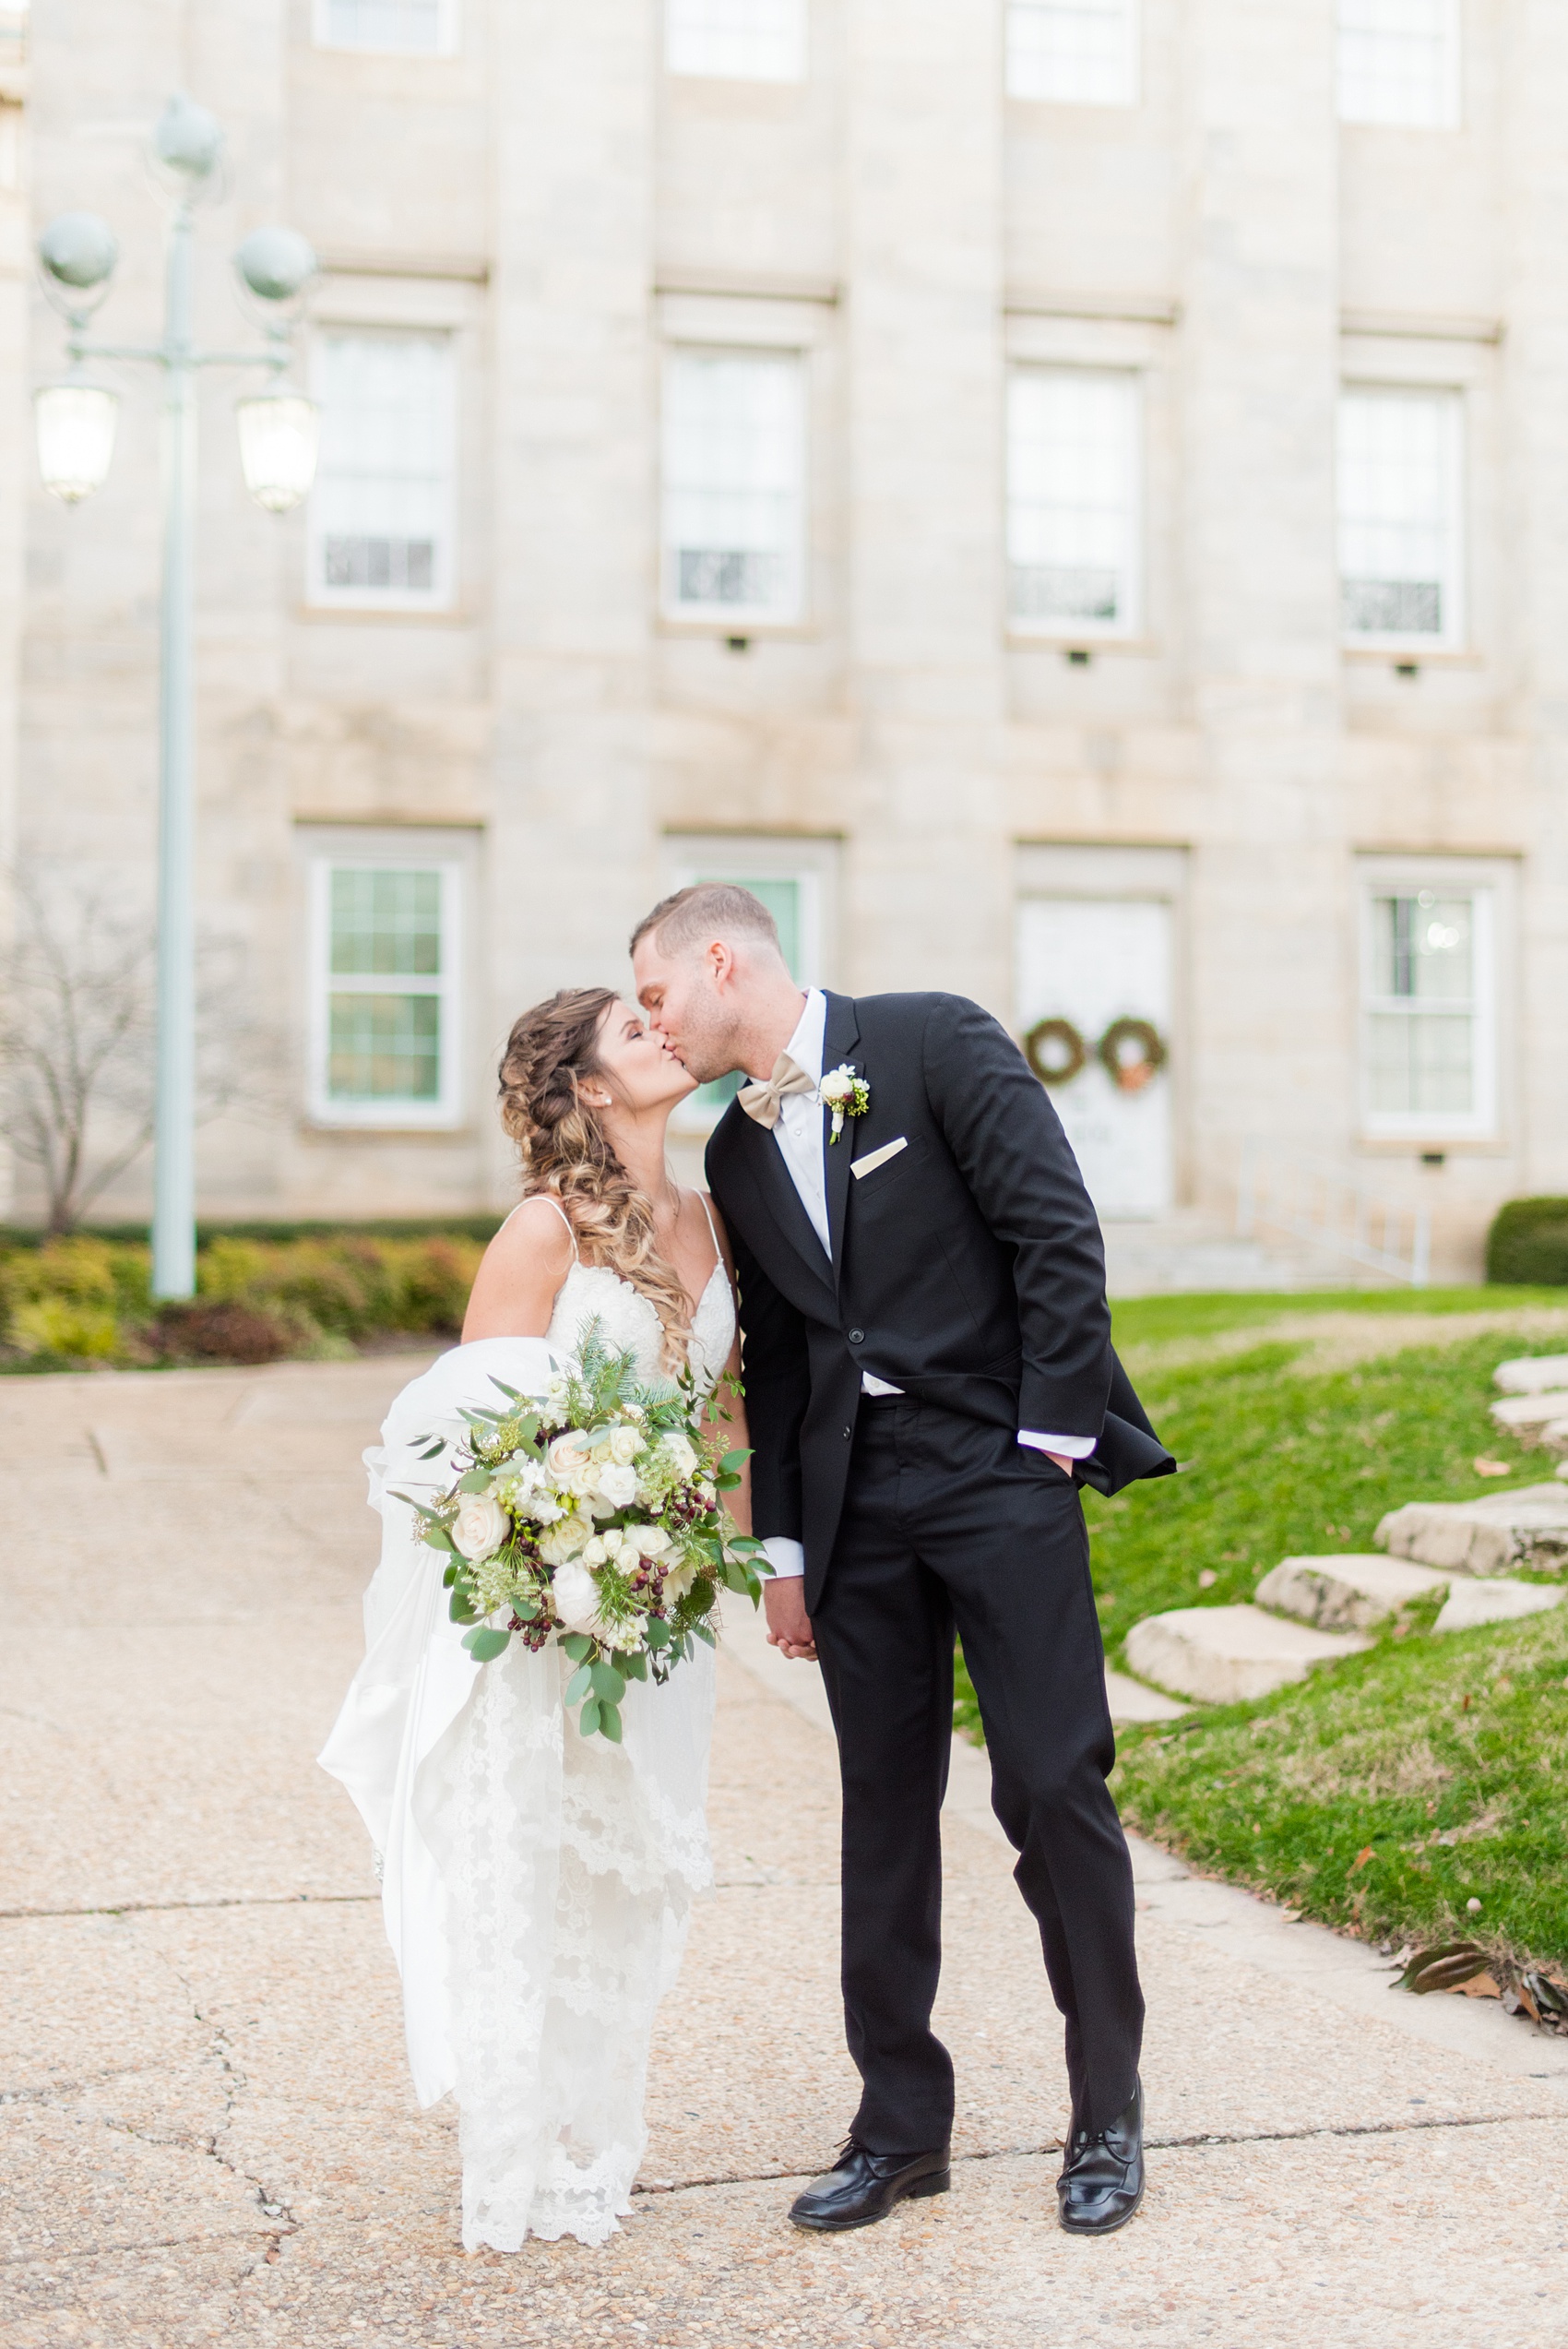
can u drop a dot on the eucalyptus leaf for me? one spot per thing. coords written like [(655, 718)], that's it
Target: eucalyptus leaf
[(634, 1667), (475, 1481), (657, 1633), (577, 1645), (439, 1539), (514, 1394), (436, 1449), (608, 1685), (732, 1460), (588, 1720), (450, 1575), (703, 1631), (485, 1644), (609, 1724), (525, 1610), (580, 1684), (461, 1609)]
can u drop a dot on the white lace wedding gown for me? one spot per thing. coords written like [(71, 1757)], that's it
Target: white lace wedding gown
[(536, 1883)]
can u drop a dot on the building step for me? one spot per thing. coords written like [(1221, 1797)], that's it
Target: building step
[(1495, 1601), (1228, 1654), (1348, 1593), (1532, 1374), (1488, 1536)]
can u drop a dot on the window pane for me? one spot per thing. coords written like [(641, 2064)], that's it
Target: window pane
[(382, 499), (741, 40), (1399, 522), (384, 24), (1423, 948), (385, 923), (1421, 1065), (384, 1047), (1075, 52), (1399, 62), (782, 899), (733, 466), (1071, 496)]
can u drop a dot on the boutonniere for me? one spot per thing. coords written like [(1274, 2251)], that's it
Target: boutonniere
[(845, 1094)]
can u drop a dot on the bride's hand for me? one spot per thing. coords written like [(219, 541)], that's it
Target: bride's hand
[(789, 1625)]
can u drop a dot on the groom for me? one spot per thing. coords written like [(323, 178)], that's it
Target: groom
[(928, 1376)]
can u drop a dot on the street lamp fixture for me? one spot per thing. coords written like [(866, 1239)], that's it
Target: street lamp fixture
[(278, 435)]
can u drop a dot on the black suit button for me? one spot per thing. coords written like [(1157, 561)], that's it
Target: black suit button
[(857, 1337), (847, 1433)]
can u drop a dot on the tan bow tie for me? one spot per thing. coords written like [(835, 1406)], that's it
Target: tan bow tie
[(764, 1102)]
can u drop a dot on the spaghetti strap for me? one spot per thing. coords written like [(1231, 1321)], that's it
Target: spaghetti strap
[(565, 1219), (717, 1251)]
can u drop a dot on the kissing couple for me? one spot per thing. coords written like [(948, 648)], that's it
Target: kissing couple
[(899, 1253)]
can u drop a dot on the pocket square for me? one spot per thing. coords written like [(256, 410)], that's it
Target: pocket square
[(875, 1158)]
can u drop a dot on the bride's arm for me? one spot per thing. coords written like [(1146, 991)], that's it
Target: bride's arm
[(515, 1290)]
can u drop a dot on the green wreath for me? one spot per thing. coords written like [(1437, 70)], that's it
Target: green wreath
[(1070, 1045), (1131, 1076)]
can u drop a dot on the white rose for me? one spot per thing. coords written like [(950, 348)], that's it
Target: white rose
[(481, 1526), (616, 1486), (576, 1600), (624, 1444), (680, 1455), (595, 1553), (568, 1456), (652, 1540), (564, 1541), (836, 1086), (615, 1543)]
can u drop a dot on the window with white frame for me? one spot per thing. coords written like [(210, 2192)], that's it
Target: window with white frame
[(735, 484), (1401, 516), (381, 519), (407, 28), (1074, 500), (1430, 1049), (795, 879), (737, 40), (1399, 62), (1076, 52), (385, 963)]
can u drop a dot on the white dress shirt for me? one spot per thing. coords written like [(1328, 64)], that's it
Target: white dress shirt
[(799, 1139)]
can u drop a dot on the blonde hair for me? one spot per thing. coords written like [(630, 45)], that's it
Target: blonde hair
[(706, 910), (568, 1156)]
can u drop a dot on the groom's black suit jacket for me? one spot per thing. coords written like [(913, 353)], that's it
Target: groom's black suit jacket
[(968, 1268)]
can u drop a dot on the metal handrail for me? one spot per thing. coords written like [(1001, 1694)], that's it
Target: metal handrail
[(1313, 1199)]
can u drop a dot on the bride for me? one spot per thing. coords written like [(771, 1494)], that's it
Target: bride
[(536, 1884)]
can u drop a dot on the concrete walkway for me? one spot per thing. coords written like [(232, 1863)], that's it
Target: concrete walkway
[(208, 2132)]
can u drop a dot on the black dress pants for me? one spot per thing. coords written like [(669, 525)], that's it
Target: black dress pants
[(951, 1524)]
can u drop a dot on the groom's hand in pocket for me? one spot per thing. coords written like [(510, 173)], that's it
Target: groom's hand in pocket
[(788, 1625)]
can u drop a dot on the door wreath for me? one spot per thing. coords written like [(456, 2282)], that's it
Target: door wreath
[(1056, 1051), (1130, 1071)]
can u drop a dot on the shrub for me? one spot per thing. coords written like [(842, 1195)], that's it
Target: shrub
[(1528, 1244), (221, 1332)]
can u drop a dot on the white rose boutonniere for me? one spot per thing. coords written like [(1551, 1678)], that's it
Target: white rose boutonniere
[(845, 1094)]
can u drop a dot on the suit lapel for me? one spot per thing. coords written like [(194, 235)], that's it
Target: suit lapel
[(839, 1039), (762, 1160)]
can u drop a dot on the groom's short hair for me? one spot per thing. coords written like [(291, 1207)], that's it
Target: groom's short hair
[(707, 910)]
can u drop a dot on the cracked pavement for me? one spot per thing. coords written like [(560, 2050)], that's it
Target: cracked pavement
[(206, 2129)]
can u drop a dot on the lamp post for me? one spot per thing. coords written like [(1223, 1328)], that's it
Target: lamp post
[(277, 430)]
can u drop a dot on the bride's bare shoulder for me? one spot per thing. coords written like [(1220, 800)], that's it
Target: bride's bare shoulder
[(515, 1289)]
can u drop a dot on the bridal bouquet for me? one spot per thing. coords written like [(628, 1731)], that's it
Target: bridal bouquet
[(591, 1515)]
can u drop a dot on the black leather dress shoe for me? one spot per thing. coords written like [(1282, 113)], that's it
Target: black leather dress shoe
[(862, 2188), (1102, 2177)]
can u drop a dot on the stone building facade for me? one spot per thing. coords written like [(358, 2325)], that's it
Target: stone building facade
[(1072, 494)]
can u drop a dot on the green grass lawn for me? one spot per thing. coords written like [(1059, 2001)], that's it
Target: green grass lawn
[(1299, 1440)]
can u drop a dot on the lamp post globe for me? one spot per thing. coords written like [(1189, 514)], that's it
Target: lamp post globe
[(75, 424), (279, 432), (79, 251), (277, 263), (188, 138)]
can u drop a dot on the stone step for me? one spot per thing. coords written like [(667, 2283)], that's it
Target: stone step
[(1528, 1527), (1532, 1374), (1345, 1593), (1496, 1600), (1536, 1419), (1225, 1655)]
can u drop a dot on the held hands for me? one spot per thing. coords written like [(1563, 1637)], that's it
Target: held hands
[(789, 1625)]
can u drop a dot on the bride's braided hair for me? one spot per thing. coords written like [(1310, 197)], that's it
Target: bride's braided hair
[(567, 1155)]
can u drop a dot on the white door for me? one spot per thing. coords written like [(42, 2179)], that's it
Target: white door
[(1091, 962)]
